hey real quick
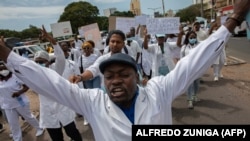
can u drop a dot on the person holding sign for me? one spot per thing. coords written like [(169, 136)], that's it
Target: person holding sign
[(111, 114), (161, 53)]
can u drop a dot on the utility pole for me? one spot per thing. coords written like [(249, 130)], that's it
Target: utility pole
[(154, 10), (163, 8), (202, 8)]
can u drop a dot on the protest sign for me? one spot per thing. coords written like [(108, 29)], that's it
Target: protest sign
[(124, 24), (61, 29), (169, 25), (141, 20), (92, 32)]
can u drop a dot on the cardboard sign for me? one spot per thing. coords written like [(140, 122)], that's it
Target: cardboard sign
[(92, 32), (167, 25), (61, 29), (124, 24), (112, 23), (142, 19)]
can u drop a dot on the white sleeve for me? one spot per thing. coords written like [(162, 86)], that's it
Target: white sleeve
[(47, 82), (193, 66), (60, 59)]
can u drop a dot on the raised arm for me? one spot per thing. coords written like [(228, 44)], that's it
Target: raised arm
[(145, 41), (196, 63), (180, 36), (58, 52)]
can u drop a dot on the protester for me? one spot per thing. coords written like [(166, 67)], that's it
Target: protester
[(112, 115), (55, 116), (135, 49), (190, 43), (162, 62), (94, 49), (116, 44), (15, 103), (87, 59)]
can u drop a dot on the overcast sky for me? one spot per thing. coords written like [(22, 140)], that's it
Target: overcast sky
[(19, 14)]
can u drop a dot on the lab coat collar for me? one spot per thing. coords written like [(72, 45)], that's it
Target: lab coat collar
[(115, 112)]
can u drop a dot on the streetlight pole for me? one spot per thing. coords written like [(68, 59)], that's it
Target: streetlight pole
[(163, 8), (154, 10), (201, 8)]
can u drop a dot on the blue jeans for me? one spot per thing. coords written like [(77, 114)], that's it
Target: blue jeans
[(93, 83), (193, 89)]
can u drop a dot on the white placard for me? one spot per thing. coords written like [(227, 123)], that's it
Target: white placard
[(91, 32), (61, 29), (168, 25), (142, 19), (124, 24)]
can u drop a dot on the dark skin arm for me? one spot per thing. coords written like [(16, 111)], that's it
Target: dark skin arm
[(180, 35), (145, 41), (23, 90)]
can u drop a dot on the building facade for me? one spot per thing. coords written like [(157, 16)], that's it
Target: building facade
[(135, 7), (224, 7)]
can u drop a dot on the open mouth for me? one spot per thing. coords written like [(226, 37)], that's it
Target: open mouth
[(117, 92)]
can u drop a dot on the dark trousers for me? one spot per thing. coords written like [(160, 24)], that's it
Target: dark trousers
[(56, 134)]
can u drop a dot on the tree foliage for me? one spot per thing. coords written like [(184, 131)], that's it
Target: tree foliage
[(123, 14), (189, 13), (79, 14), (103, 23), (31, 32)]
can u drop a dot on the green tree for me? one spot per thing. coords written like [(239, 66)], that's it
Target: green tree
[(103, 23), (10, 33), (189, 13), (79, 14), (123, 14), (31, 32)]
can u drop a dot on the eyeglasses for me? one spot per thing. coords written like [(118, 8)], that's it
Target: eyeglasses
[(86, 48)]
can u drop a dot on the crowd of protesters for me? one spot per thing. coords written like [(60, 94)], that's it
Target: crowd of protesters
[(116, 87)]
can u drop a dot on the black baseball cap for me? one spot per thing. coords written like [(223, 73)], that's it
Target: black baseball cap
[(120, 58)]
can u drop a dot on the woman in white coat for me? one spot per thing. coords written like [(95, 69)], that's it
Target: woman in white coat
[(190, 43)]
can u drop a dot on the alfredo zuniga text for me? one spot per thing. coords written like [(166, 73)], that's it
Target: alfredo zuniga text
[(221, 132)]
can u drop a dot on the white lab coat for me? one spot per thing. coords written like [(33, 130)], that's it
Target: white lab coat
[(159, 59), (153, 104), (7, 88), (52, 113)]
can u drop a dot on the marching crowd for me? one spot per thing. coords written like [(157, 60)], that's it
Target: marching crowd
[(133, 80)]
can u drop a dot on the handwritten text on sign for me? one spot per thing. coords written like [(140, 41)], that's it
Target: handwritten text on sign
[(124, 24), (163, 25)]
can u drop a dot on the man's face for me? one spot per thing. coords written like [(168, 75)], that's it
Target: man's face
[(132, 31), (161, 40), (196, 27), (121, 83), (116, 43), (65, 50)]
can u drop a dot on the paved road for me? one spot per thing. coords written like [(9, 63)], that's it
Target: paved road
[(239, 47)]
